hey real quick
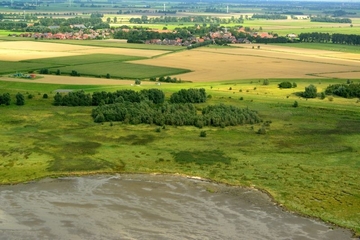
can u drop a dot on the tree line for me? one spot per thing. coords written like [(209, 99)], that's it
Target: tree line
[(177, 114), (330, 19), (338, 38), (269, 16), (80, 98)]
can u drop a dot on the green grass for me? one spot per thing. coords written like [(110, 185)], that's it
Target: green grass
[(308, 160), (121, 70)]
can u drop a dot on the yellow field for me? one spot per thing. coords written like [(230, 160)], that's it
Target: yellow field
[(19, 50), (208, 63), (211, 64)]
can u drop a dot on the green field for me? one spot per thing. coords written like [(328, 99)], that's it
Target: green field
[(121, 70), (308, 160), (12, 67), (97, 65)]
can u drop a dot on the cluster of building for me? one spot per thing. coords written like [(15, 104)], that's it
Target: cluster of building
[(82, 34)]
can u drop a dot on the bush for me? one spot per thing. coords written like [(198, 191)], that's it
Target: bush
[(45, 96), (44, 71), (20, 100), (30, 96), (137, 82), (266, 82), (107, 75), (296, 104), (285, 85), (74, 73), (310, 92), (203, 134), (58, 72)]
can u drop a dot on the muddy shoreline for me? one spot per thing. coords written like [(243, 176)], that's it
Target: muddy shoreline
[(144, 206)]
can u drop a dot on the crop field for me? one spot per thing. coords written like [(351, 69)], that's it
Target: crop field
[(243, 62), (121, 70), (308, 160), (18, 50)]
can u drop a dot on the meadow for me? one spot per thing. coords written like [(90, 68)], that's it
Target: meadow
[(307, 160)]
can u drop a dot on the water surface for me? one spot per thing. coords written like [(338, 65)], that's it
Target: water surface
[(148, 207)]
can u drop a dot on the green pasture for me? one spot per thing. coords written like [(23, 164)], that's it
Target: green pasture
[(97, 65), (308, 159), (12, 67), (121, 70)]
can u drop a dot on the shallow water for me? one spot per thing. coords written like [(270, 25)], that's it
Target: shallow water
[(148, 207)]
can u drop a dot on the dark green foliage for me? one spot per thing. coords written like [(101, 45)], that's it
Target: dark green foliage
[(203, 134), (199, 44), (330, 19), (155, 95), (137, 82), (266, 82), (74, 73), (285, 85), (269, 16), (108, 75), (79, 98), (168, 79), (100, 118), (58, 72), (344, 90), (296, 104), (175, 114), (201, 157), (153, 79), (5, 99), (45, 96), (191, 95), (261, 130), (44, 71), (310, 92), (294, 85), (20, 99), (322, 95), (30, 96)]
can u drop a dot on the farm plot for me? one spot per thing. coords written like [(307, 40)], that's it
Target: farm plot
[(211, 64), (121, 70), (12, 67), (85, 59), (25, 50)]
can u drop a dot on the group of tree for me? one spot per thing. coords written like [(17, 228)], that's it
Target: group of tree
[(269, 16), (177, 114), (344, 90), (140, 35), (5, 99), (80, 98), (314, 37), (166, 79), (338, 38), (330, 19), (192, 95), (15, 26)]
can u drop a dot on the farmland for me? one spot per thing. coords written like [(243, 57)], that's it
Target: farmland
[(307, 160)]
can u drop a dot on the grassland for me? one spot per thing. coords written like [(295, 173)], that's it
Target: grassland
[(308, 159)]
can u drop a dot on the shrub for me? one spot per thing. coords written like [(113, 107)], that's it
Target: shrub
[(30, 96), (296, 104), (266, 82), (45, 96), (74, 73), (285, 85), (137, 82), (310, 92), (203, 134), (108, 75)]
